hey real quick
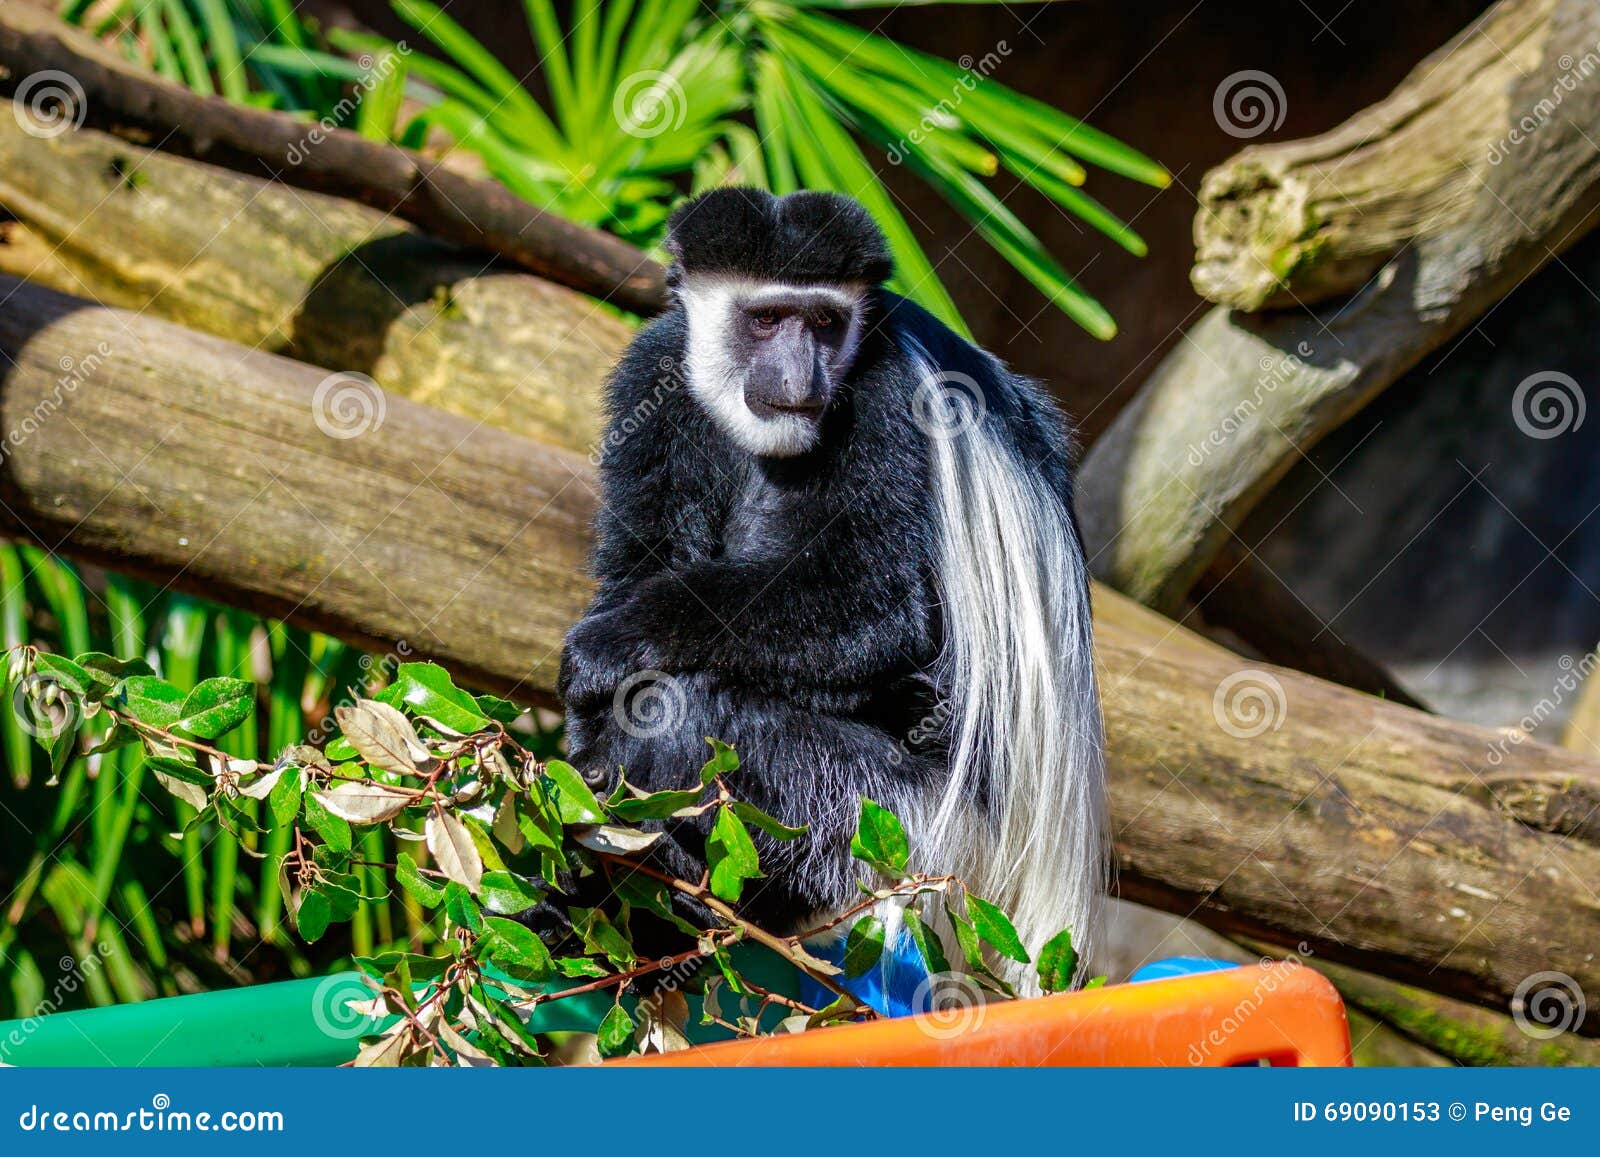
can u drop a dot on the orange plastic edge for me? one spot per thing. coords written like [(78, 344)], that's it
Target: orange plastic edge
[(1283, 1013)]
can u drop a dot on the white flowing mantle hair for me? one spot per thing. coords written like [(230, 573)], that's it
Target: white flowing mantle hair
[(1025, 726)]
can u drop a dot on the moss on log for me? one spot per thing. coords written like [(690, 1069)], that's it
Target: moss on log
[(1245, 396), (319, 279), (1298, 222)]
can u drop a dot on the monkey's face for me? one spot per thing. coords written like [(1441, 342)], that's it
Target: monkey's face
[(766, 359)]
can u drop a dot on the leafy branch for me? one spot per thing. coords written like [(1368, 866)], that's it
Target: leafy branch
[(543, 890)]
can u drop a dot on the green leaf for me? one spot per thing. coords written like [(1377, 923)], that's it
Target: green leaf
[(516, 949), (410, 877), (1058, 962), (731, 856), (179, 770), (574, 801), (880, 839), (577, 967), (972, 952), (755, 817), (657, 805), (641, 892), (498, 709), (996, 928), (284, 799), (215, 706), (508, 893), (927, 942), (150, 700), (334, 831), (428, 690), (461, 908), (601, 936), (69, 675), (615, 1036), (311, 919), (863, 946), (724, 760)]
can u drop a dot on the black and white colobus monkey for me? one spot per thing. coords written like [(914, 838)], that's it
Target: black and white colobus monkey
[(847, 548)]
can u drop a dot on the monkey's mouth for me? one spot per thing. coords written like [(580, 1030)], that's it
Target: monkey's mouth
[(810, 411)]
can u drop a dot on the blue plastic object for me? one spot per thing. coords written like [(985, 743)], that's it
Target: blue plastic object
[(1178, 966)]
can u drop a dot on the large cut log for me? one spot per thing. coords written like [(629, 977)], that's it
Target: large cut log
[(1298, 222), (315, 278), (1243, 397), (1376, 834), (106, 92)]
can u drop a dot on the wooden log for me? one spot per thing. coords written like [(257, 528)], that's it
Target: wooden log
[(1370, 831), (144, 109), (321, 280), (1244, 396), (1298, 222)]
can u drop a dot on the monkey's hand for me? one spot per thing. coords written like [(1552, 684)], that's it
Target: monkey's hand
[(600, 653)]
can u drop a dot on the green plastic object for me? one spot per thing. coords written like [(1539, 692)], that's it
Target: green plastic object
[(291, 1022)]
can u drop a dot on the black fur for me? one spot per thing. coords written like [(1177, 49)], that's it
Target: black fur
[(803, 238), (792, 601)]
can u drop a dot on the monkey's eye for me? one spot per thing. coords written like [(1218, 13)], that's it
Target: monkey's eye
[(824, 319), (764, 323)]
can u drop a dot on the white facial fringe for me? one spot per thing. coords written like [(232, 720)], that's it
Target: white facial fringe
[(711, 303), (1025, 712)]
